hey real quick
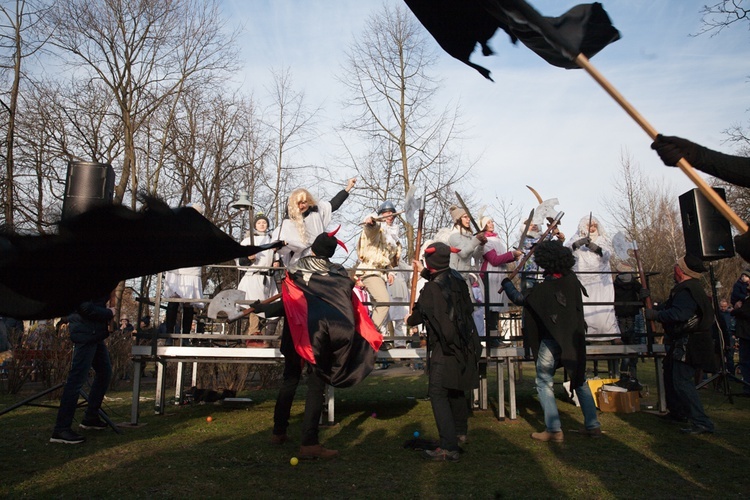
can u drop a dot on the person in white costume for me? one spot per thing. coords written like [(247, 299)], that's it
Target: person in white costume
[(184, 283), (495, 262), (258, 283), (592, 250), (306, 218)]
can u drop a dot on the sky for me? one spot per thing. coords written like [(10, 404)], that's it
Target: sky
[(553, 129)]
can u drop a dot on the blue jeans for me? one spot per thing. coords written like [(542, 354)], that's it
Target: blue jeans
[(546, 363), (85, 357), (683, 378)]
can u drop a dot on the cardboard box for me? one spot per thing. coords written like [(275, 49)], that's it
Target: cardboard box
[(618, 402), (595, 384)]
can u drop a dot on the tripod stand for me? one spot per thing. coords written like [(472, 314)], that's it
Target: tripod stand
[(30, 402), (723, 376)]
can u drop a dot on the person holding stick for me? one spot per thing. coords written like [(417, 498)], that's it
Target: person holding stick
[(556, 332), (379, 250)]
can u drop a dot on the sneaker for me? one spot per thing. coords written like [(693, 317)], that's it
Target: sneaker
[(66, 436), (316, 451), (279, 438), (672, 418), (555, 437), (441, 455), (95, 424), (697, 430), (596, 432)]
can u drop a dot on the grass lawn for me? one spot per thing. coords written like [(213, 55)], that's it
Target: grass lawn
[(181, 455)]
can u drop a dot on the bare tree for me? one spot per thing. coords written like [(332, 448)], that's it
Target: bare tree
[(391, 97), (290, 125), (20, 38), (506, 216), (146, 52), (721, 15), (648, 214)]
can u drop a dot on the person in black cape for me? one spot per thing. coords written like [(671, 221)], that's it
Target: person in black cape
[(555, 328), (326, 329), (445, 306)]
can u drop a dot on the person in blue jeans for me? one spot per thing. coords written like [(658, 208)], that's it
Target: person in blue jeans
[(555, 329), (687, 317), (88, 327)]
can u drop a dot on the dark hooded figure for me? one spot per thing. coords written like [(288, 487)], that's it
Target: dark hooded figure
[(445, 306), (555, 330)]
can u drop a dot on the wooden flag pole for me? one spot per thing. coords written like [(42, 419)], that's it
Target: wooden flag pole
[(683, 164)]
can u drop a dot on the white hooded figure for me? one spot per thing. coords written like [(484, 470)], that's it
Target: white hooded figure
[(592, 250), (258, 282)]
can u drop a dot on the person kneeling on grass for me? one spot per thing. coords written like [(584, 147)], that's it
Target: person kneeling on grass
[(444, 305), (556, 331)]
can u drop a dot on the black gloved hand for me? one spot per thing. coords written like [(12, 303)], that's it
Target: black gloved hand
[(651, 314), (671, 148), (259, 307), (581, 243), (644, 293), (595, 248), (505, 280), (742, 245)]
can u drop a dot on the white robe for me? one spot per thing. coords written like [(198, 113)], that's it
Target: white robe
[(295, 248), (258, 284), (599, 287)]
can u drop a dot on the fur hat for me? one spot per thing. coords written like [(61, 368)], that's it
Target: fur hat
[(691, 266), (553, 257), (438, 256), (456, 213)]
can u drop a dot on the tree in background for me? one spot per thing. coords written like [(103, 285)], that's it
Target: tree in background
[(20, 38), (405, 142), (145, 52)]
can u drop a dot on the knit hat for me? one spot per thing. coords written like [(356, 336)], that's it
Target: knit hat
[(261, 216), (438, 256), (484, 221), (456, 213), (691, 266), (325, 244), (746, 272)]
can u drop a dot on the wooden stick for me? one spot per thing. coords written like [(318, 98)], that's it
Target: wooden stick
[(683, 164), (531, 251), (415, 272)]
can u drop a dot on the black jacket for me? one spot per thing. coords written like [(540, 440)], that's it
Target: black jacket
[(90, 322), (444, 305), (554, 308)]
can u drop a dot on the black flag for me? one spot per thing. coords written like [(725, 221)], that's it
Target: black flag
[(47, 276), (458, 25)]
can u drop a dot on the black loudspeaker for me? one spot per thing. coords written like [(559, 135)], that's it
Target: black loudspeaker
[(87, 185), (707, 232)]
